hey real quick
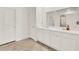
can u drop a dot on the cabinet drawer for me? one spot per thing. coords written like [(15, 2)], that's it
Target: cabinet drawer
[(66, 35)]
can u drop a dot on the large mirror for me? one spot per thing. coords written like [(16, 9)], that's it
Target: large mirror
[(61, 18)]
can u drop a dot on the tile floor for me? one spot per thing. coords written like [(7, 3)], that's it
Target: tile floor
[(24, 45)]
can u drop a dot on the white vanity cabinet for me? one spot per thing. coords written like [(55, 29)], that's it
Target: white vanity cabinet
[(43, 36), (63, 41), (56, 38), (55, 41), (68, 41), (68, 44)]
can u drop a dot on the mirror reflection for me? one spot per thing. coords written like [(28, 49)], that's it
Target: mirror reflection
[(68, 18)]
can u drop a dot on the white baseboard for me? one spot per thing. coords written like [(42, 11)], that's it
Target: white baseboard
[(33, 38), (18, 39)]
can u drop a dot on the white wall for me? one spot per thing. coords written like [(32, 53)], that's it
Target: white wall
[(25, 22), (32, 23), (22, 23)]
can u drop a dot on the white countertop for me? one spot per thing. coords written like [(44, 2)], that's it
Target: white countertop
[(60, 30)]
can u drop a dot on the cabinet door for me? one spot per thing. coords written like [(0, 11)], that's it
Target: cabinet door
[(56, 41), (43, 36), (62, 43), (77, 44), (68, 44)]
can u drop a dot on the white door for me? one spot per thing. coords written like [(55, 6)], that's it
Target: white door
[(8, 25), (55, 41)]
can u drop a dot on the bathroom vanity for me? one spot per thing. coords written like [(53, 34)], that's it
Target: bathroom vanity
[(58, 39), (54, 34)]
